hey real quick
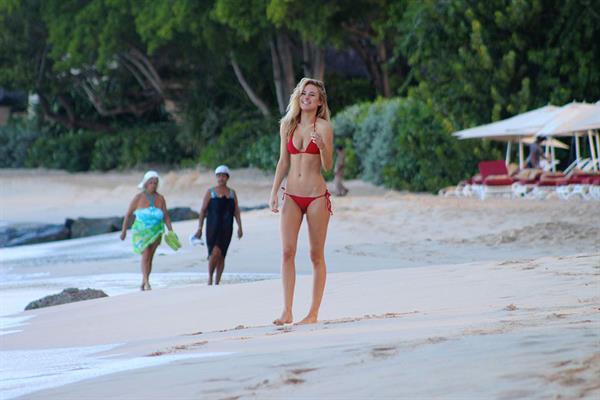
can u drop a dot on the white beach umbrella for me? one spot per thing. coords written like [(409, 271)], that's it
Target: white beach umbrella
[(547, 142), (577, 119), (572, 119), (513, 128)]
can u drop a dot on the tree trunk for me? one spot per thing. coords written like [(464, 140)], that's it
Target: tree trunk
[(313, 60), (277, 77), (70, 120), (262, 107), (366, 54), (286, 62), (137, 108), (383, 65)]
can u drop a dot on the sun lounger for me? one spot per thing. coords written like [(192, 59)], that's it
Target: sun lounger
[(525, 181), (547, 185), (593, 188), (575, 184), (495, 180)]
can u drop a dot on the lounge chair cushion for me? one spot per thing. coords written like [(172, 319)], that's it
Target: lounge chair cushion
[(528, 174), (498, 180)]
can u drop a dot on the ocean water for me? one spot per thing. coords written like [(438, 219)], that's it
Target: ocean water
[(24, 372), (25, 275), (16, 291)]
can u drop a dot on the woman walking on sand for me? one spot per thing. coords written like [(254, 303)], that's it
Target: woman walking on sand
[(150, 209), (219, 207), (306, 147)]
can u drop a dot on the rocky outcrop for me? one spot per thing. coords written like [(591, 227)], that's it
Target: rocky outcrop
[(82, 227), (21, 234), (251, 208), (69, 295), (182, 214)]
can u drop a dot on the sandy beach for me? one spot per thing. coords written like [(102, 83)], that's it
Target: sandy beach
[(427, 297)]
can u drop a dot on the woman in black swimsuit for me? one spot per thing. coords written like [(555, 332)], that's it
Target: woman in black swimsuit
[(219, 207)]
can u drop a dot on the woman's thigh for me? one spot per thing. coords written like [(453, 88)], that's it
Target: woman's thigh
[(317, 217), (291, 219)]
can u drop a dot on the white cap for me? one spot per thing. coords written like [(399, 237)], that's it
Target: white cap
[(147, 176), (222, 169)]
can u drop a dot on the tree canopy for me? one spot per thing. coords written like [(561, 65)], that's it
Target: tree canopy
[(208, 67)]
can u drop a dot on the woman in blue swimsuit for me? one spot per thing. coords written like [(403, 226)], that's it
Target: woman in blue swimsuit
[(150, 210)]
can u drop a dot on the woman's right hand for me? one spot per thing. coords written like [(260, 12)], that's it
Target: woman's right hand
[(198, 234), (274, 203), (123, 235)]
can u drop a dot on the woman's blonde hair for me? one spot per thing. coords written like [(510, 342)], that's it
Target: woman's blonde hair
[(291, 119)]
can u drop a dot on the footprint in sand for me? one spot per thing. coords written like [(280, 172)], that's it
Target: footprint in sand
[(294, 381), (300, 371), (383, 352)]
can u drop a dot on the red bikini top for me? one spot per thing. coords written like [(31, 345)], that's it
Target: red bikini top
[(312, 147)]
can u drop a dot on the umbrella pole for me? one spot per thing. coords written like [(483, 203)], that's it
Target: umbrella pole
[(577, 152), (597, 147), (520, 154), (592, 151), (553, 158), (507, 160)]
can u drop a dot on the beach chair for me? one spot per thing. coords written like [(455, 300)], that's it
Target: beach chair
[(470, 187), (525, 180), (547, 185), (577, 183), (495, 179), (578, 164), (593, 189)]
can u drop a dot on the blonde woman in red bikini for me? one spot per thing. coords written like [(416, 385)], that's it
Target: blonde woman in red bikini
[(306, 148)]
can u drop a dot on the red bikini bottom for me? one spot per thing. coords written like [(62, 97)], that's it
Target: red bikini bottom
[(303, 202)]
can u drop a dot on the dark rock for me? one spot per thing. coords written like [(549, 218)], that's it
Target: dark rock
[(251, 208), (83, 227), (21, 234), (182, 214), (69, 295)]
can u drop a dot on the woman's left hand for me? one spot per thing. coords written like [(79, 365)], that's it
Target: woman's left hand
[(240, 233), (318, 139)]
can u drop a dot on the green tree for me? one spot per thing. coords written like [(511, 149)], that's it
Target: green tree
[(482, 61), (366, 26)]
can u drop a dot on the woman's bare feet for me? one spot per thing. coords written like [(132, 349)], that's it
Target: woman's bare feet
[(147, 286), (142, 286), (286, 318), (309, 319)]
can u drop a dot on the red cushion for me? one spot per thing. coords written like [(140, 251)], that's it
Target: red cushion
[(499, 181), (578, 179), (528, 181), (497, 167), (554, 182)]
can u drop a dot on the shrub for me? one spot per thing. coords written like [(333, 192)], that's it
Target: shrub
[(107, 153), (71, 151), (425, 156), (264, 152), (346, 122), (351, 164), (374, 138), (403, 144), (238, 140), (140, 145), (15, 140)]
